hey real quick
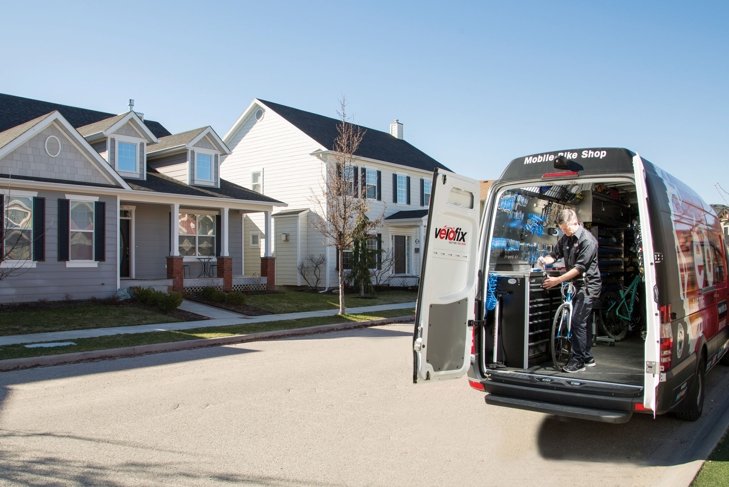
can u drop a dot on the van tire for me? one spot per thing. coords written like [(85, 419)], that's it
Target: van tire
[(692, 406)]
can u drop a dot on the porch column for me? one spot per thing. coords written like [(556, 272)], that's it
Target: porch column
[(175, 269), (225, 262), (175, 230), (268, 263)]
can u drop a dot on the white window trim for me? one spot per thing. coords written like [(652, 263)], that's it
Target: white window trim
[(213, 169), (405, 188), (18, 264), (128, 140), (22, 194), (260, 180), (250, 239), (81, 263)]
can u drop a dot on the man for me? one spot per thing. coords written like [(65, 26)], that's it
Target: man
[(578, 248)]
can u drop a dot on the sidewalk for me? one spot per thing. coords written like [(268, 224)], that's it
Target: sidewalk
[(218, 318)]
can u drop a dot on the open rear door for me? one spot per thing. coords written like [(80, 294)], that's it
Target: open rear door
[(651, 368), (448, 279)]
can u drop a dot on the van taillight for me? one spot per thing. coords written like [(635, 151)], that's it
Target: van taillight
[(476, 385), (666, 346)]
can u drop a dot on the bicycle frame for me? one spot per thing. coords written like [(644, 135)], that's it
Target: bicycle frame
[(623, 308)]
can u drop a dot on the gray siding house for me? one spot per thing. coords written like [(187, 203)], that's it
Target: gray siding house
[(93, 202)]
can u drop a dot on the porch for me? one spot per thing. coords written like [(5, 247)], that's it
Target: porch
[(195, 284)]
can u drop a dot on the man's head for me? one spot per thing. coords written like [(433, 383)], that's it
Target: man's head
[(567, 221)]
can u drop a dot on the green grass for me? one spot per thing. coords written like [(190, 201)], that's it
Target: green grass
[(294, 300), (45, 317), (716, 469), (130, 340)]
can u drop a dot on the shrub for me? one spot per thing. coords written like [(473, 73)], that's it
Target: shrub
[(235, 298), (165, 302)]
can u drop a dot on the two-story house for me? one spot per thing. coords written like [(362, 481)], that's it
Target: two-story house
[(283, 152), (92, 202)]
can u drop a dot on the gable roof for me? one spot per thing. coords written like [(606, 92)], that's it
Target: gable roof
[(12, 138), (104, 128), (186, 140), (16, 110), (375, 144)]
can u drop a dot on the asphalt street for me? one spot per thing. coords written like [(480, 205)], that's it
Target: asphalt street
[(328, 409)]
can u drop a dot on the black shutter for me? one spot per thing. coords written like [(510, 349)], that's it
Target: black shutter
[(363, 182), (379, 251), (2, 227), (355, 181), (394, 188), (407, 187), (422, 192), (100, 231), (379, 185), (218, 227), (63, 209), (39, 229)]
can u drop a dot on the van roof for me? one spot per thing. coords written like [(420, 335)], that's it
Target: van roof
[(579, 162)]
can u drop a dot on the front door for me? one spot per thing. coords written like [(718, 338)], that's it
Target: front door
[(125, 233)]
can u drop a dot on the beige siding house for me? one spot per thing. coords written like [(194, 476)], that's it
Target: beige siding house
[(283, 153)]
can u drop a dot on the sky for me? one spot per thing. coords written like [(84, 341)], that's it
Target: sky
[(475, 83)]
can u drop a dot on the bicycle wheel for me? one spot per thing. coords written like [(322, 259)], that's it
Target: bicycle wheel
[(612, 325), (560, 343)]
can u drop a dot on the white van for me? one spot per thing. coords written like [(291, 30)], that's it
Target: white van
[(482, 311)]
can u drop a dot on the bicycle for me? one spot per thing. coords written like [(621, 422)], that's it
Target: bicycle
[(561, 342), (620, 313)]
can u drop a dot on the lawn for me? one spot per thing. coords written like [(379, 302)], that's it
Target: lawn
[(716, 469), (289, 301)]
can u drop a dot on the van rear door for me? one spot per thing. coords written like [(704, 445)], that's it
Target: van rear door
[(651, 368), (441, 348)]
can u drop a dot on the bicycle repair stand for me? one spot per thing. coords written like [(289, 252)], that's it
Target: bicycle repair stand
[(599, 339)]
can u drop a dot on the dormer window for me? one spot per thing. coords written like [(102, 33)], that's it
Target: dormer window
[(128, 155), (204, 168)]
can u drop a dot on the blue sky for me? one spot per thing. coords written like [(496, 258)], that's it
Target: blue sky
[(476, 83)]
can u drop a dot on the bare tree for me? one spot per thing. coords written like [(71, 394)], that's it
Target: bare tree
[(340, 201), (310, 270)]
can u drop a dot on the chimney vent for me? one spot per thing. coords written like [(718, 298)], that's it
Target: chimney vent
[(396, 129)]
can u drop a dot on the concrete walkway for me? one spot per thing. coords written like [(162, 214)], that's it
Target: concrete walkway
[(218, 317)]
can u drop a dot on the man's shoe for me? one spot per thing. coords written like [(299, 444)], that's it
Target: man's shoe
[(590, 362), (573, 366)]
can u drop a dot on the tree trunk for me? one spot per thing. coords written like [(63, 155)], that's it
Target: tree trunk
[(342, 307)]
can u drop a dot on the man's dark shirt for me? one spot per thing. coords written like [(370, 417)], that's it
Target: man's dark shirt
[(580, 252)]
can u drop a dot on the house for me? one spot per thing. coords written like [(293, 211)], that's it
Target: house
[(283, 152), (93, 202)]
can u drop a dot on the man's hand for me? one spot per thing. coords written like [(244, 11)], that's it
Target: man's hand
[(550, 282)]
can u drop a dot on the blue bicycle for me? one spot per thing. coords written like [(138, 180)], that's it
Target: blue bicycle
[(562, 328)]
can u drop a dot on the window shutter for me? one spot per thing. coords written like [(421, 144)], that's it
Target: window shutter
[(63, 209), (394, 188), (355, 181), (218, 228), (100, 231), (379, 251), (2, 227), (407, 187), (39, 229), (142, 162), (363, 182), (422, 192), (379, 185)]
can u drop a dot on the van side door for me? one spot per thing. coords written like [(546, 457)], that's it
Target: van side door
[(441, 348)]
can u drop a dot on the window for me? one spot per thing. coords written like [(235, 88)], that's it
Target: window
[(126, 157), (203, 167), (81, 230), (401, 189), (18, 229), (197, 235), (374, 247), (255, 239), (372, 184), (350, 182), (425, 192), (257, 181)]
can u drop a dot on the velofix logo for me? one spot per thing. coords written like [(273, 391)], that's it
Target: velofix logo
[(451, 235)]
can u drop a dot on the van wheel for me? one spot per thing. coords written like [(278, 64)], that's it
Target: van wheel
[(692, 406)]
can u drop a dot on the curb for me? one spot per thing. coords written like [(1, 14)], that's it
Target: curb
[(114, 353)]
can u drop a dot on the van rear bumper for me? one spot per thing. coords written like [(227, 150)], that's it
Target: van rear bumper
[(614, 406), (602, 415)]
